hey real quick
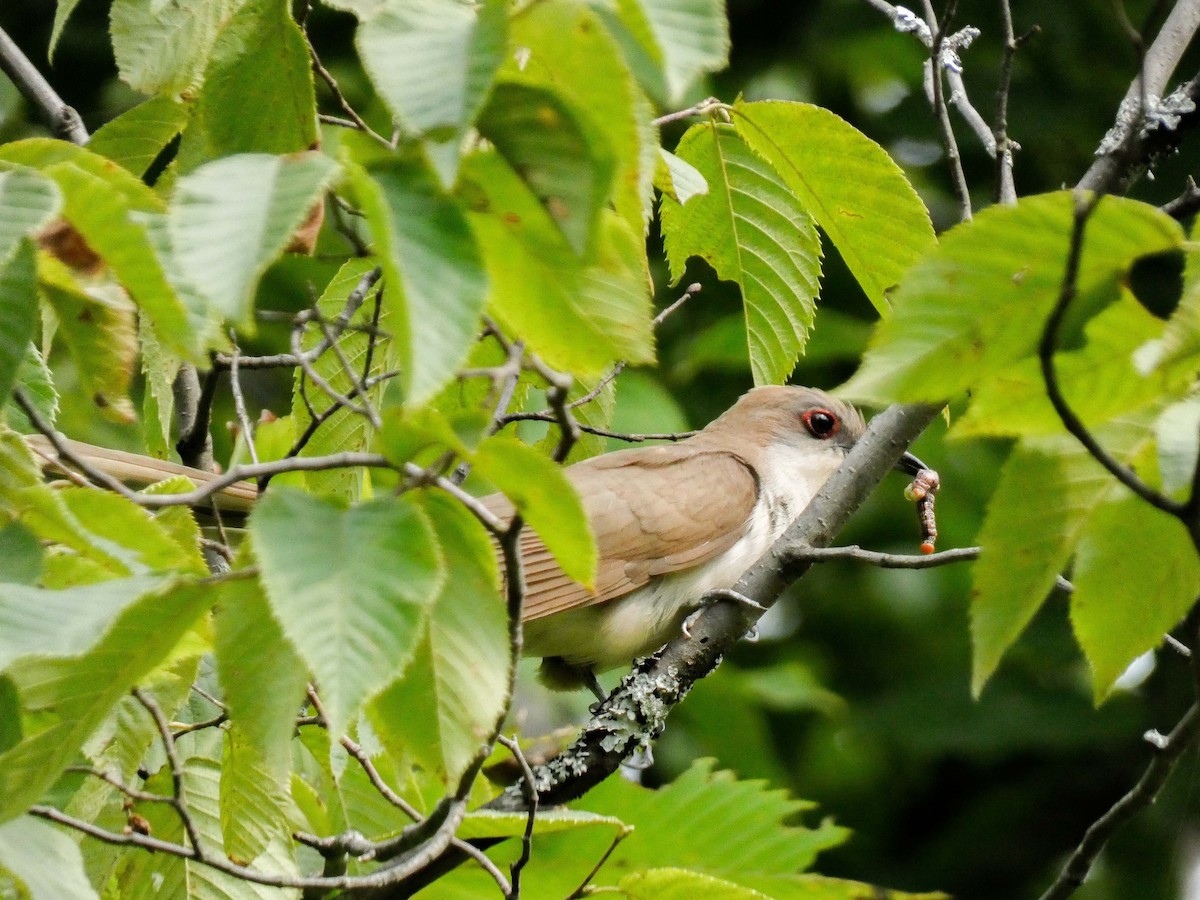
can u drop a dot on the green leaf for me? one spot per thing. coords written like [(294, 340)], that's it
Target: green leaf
[(28, 202), (542, 493), (45, 153), (263, 678), (680, 825), (692, 36), (819, 887), (975, 305), (253, 800), (848, 183), (436, 283), (350, 587), (573, 55), (163, 49), (1175, 436), (39, 622), (22, 554), (451, 694), (258, 89), (99, 330), (1136, 575), (35, 380), (118, 234), (1048, 489), (682, 884), (433, 61), (344, 429), (489, 823), (568, 171), (68, 697), (1099, 380), (231, 218), (44, 860), (577, 317), (18, 312), (134, 139), (679, 179), (751, 229)]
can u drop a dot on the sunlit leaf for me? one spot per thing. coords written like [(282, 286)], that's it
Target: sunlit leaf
[(752, 230), (45, 861), (134, 139), (1136, 575), (848, 183), (351, 588), (679, 179), (163, 49), (18, 313)]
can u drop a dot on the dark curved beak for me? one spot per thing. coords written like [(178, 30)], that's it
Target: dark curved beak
[(910, 464)]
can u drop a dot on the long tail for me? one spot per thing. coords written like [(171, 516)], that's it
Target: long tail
[(137, 471)]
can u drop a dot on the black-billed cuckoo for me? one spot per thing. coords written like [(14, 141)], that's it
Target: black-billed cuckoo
[(672, 523)]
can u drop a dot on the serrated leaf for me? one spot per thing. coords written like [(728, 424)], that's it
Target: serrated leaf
[(18, 313), (1099, 380), (490, 823), (678, 179), (436, 282), (163, 49), (350, 587), (752, 230), (447, 702), (28, 201), (975, 305), (574, 56), (433, 61), (566, 169), (69, 697), (44, 153), (1048, 489), (693, 36), (231, 218), (134, 139), (542, 494), (1136, 575), (263, 678), (45, 861), (253, 801), (258, 91), (33, 375), (674, 826), (577, 317), (682, 884), (848, 183)]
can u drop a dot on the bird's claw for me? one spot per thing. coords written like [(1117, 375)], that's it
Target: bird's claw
[(715, 596)]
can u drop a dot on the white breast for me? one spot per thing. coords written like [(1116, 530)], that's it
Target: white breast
[(611, 634)]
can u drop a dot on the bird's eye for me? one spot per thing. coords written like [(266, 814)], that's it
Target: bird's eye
[(821, 423)]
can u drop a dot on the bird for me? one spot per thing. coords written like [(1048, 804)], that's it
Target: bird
[(674, 524)]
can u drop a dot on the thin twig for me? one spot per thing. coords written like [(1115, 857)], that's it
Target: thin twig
[(949, 142), (581, 891), (1167, 751), (703, 108), (62, 120), (1006, 189), (546, 416), (883, 560), (356, 121), (175, 765), (514, 747), (239, 399)]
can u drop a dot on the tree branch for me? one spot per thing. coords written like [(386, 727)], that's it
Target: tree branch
[(62, 120)]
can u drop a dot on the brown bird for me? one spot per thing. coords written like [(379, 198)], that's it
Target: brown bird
[(672, 524)]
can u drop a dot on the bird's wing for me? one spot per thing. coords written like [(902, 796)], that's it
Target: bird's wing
[(643, 526)]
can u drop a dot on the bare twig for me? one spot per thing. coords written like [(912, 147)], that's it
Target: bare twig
[(62, 120), (949, 142), (545, 416), (356, 121), (883, 560), (239, 400), (703, 108), (581, 891), (1167, 751), (179, 801), (514, 747), (1006, 189)]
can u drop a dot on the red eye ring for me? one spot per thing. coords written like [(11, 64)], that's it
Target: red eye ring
[(821, 423)]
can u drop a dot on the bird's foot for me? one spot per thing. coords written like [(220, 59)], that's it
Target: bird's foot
[(715, 596)]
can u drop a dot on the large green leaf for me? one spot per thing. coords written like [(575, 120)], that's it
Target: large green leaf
[(44, 153), (44, 861), (433, 61), (436, 283), (573, 56), (976, 304), (1099, 380), (28, 202), (450, 696), (350, 587), (577, 316), (541, 139), (848, 183), (1136, 575), (262, 676), (258, 89), (162, 48), (1048, 489), (253, 801), (682, 884), (545, 497), (231, 218), (692, 36), (18, 312), (753, 230), (134, 139), (64, 699), (679, 825)]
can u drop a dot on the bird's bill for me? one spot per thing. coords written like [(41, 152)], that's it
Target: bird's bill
[(910, 465)]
